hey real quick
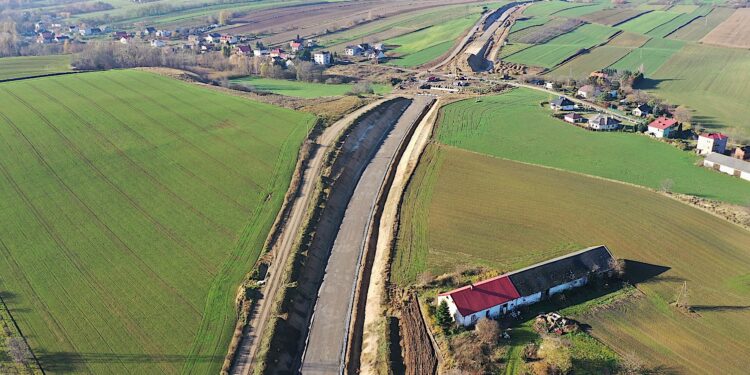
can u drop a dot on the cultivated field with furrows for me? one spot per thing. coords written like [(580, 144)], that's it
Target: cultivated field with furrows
[(699, 27), (139, 203), (279, 25), (613, 16), (468, 209), (600, 57), (649, 57), (648, 21), (733, 32)]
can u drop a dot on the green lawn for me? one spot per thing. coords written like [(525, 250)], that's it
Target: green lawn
[(701, 26), (423, 46), (303, 89), (555, 51), (600, 57), (138, 203), (651, 56), (27, 66), (679, 21), (514, 126)]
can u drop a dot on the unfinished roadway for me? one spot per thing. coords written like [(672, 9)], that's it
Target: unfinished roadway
[(329, 330)]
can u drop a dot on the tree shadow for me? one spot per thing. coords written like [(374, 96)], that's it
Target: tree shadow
[(699, 308), (69, 362), (651, 83)]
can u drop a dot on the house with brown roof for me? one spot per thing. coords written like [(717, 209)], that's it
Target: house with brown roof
[(499, 295)]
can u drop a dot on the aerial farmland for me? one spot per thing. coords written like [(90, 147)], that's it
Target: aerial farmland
[(275, 187)]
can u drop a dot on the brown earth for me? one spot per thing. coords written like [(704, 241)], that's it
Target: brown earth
[(734, 32), (418, 353)]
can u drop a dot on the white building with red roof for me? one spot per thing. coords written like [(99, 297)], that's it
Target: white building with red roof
[(662, 127), (497, 296), (711, 142)]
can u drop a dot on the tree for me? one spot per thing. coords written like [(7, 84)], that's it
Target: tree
[(683, 300), (226, 51), (18, 350), (443, 316), (224, 17), (361, 88), (666, 186), (683, 114), (487, 331)]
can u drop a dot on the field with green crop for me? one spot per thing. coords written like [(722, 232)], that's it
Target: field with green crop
[(27, 66), (515, 126), (600, 57), (138, 202), (701, 26), (423, 46), (714, 81), (649, 21), (679, 21), (469, 209), (650, 57), (303, 89), (555, 51)]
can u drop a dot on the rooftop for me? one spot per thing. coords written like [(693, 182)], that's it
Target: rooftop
[(663, 123), (734, 163)]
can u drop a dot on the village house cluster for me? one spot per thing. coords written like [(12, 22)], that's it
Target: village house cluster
[(374, 52), (498, 296)]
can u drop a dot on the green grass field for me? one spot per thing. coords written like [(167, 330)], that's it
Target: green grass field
[(711, 80), (425, 45), (649, 21), (515, 126), (600, 57), (651, 56), (464, 208), (701, 26), (139, 203), (679, 21), (27, 66), (303, 89), (555, 51)]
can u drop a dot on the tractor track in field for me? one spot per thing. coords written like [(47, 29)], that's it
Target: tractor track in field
[(177, 135), (153, 146), (128, 197), (135, 166)]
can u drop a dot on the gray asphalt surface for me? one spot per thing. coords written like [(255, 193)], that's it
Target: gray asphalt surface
[(324, 352)]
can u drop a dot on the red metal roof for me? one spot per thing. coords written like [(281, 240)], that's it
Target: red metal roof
[(663, 123), (714, 136), (483, 295)]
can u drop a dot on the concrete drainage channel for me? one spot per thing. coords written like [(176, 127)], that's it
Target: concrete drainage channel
[(312, 335)]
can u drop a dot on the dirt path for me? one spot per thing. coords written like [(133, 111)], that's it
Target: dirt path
[(284, 245), (376, 291)]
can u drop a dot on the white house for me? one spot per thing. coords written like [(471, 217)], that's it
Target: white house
[(322, 58), (213, 38), (588, 92), (662, 127), (157, 43), (603, 122), (126, 39), (261, 52), (642, 110), (573, 118), (711, 142), (352, 50), (728, 165), (502, 294), (562, 103)]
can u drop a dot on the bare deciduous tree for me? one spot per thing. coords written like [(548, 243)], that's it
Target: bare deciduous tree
[(18, 350), (487, 331), (683, 114)]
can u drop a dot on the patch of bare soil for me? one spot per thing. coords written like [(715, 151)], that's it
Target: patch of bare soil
[(419, 356), (736, 214), (733, 32)]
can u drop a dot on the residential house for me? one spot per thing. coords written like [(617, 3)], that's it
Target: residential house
[(126, 39), (375, 55), (322, 58), (73, 29), (164, 33), (194, 39), (502, 294), (119, 34), (642, 110), (244, 51), (45, 37), (149, 31), (60, 38), (157, 43), (742, 153), (711, 142), (352, 50), (549, 85), (295, 46), (588, 92), (213, 38), (95, 31), (662, 127), (260, 52), (573, 118), (603, 122), (728, 165), (228, 39), (562, 104), (277, 52)]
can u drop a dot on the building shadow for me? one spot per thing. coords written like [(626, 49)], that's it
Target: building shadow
[(639, 272), (651, 83), (699, 308)]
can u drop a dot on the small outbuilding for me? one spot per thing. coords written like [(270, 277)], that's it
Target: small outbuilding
[(728, 165), (573, 118)]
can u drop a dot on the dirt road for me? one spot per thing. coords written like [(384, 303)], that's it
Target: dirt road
[(329, 329), (376, 291), (284, 246)]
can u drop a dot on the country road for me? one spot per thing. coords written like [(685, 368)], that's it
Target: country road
[(285, 243), (329, 329)]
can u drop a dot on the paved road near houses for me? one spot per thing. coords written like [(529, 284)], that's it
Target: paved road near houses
[(325, 347)]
